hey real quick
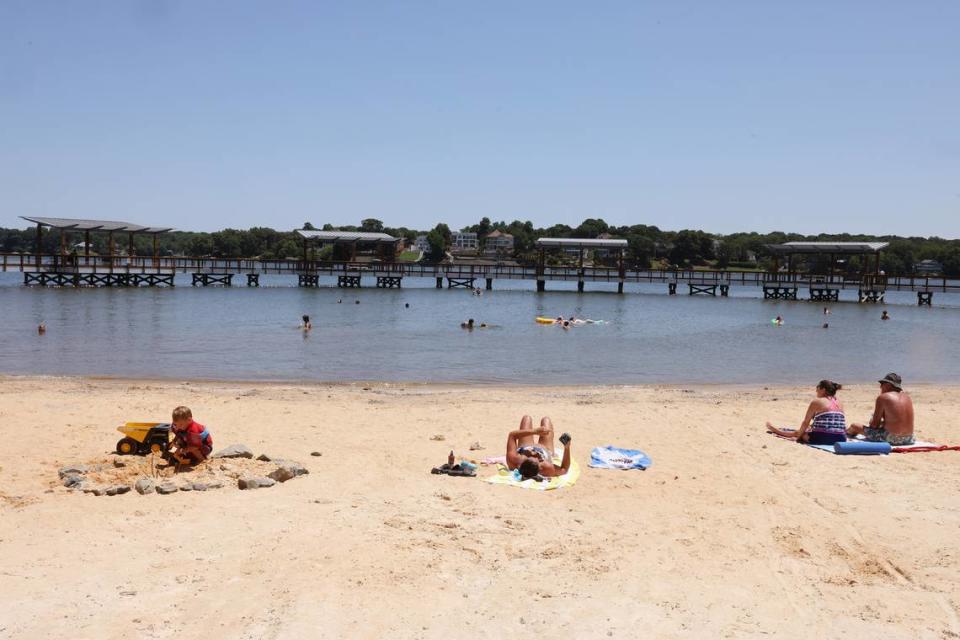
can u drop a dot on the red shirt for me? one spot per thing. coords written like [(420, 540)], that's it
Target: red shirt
[(193, 434)]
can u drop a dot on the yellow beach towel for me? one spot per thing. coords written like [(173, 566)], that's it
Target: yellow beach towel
[(512, 478)]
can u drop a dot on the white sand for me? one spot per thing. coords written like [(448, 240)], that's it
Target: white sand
[(731, 533)]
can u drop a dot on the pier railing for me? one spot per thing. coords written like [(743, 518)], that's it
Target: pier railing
[(82, 264)]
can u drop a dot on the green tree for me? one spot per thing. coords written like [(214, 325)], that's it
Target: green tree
[(371, 225)]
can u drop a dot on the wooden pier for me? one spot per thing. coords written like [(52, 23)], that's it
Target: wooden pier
[(93, 271), (781, 283)]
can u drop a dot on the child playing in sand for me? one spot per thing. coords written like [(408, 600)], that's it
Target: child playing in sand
[(191, 438)]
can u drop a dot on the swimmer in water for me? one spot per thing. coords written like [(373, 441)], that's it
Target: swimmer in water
[(885, 315), (566, 325), (306, 325), (467, 325), (778, 321), (826, 325), (41, 328), (826, 311)]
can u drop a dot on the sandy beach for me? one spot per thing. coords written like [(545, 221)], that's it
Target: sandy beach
[(731, 532)]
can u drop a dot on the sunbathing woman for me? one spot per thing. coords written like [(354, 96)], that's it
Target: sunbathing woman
[(824, 422), (536, 458)]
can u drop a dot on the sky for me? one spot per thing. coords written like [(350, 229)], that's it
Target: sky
[(810, 117)]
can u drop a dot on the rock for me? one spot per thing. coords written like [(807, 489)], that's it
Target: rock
[(73, 480), (122, 489), (438, 437), (199, 486), (186, 487), (166, 487), (234, 451), (255, 483), (216, 484), (118, 463), (111, 491), (263, 457), (476, 446), (73, 469), (286, 470), (145, 486), (316, 454)]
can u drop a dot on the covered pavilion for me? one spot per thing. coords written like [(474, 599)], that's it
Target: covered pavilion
[(831, 249), (580, 244), (384, 244), (70, 225)]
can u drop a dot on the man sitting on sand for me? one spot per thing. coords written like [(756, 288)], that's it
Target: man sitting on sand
[(892, 419), (191, 438), (535, 459)]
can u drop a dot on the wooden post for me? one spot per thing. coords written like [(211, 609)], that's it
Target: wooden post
[(353, 251), (156, 254), (39, 244), (130, 244), (110, 249), (304, 252), (86, 243), (63, 242)]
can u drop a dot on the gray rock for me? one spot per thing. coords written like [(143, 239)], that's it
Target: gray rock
[(264, 457), (234, 451), (215, 484), (199, 486), (145, 486), (282, 474), (73, 480), (286, 470), (111, 491), (122, 489), (186, 487), (166, 487), (255, 483), (73, 469)]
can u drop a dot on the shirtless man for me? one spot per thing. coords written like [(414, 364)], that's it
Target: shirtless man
[(892, 419), (535, 458)]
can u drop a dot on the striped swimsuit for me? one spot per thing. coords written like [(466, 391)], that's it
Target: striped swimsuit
[(828, 427)]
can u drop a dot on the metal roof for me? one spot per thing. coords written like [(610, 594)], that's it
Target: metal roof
[(827, 247), (582, 243), (347, 236), (82, 224)]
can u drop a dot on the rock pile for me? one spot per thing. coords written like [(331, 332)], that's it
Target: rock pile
[(233, 465)]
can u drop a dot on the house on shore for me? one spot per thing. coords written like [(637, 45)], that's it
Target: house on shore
[(498, 243)]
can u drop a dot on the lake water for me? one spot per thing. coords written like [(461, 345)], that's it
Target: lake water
[(648, 337)]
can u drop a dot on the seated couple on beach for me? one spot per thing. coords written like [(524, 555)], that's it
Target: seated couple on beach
[(825, 422), (534, 459)]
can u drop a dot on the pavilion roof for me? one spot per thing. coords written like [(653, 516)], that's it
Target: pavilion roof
[(827, 247), (348, 236), (84, 224), (582, 243)]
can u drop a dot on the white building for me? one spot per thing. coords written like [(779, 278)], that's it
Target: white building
[(465, 241), (498, 243), (421, 244)]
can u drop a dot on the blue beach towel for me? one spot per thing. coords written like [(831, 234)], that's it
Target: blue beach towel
[(611, 457)]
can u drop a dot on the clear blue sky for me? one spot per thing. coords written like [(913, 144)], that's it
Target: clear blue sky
[(822, 116)]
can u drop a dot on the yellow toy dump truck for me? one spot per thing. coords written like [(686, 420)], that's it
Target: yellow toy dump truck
[(143, 438)]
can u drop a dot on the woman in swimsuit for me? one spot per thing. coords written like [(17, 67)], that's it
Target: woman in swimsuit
[(535, 458), (824, 422)]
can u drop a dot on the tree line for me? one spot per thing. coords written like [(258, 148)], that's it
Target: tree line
[(647, 245)]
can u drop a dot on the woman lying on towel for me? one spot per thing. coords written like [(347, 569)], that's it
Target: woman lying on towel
[(824, 422), (535, 458)]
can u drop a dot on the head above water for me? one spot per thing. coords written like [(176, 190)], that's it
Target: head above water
[(829, 387), (529, 468), (306, 319)]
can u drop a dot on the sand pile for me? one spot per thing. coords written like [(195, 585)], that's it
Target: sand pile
[(234, 466)]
